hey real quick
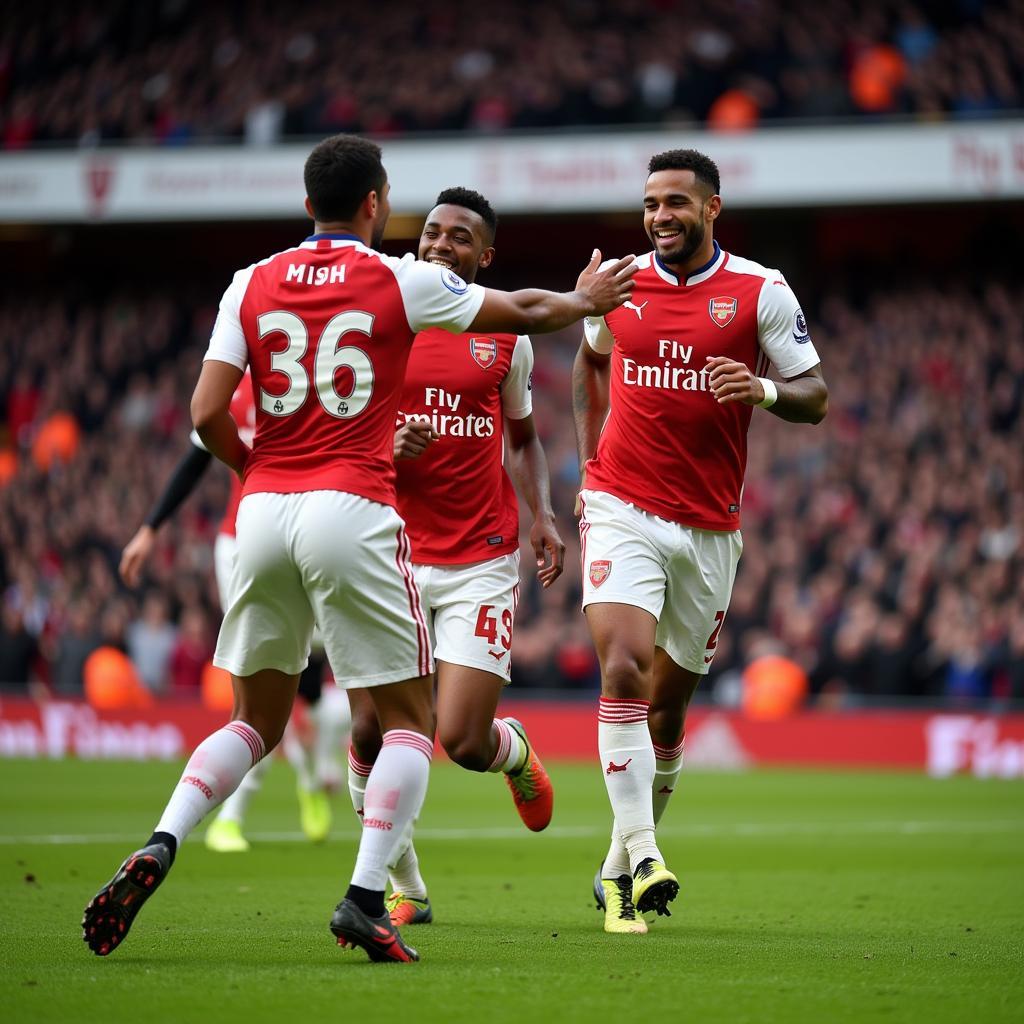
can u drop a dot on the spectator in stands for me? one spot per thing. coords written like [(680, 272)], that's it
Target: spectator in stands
[(152, 639), (180, 72)]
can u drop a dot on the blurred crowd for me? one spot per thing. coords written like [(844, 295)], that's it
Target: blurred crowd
[(180, 70), (884, 550)]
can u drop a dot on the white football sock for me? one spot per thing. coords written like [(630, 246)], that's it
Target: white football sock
[(358, 773), (236, 805), (511, 752), (627, 757), (333, 718), (667, 766), (212, 774), (404, 873), (394, 795)]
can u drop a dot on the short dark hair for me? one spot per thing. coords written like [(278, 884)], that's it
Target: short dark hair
[(705, 170), (470, 200), (339, 174)]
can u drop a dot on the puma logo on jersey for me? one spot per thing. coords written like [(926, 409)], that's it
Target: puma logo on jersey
[(639, 310)]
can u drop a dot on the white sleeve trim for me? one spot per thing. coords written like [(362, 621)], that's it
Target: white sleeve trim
[(782, 330), (599, 337), (197, 441), (227, 342), (517, 387), (434, 296)]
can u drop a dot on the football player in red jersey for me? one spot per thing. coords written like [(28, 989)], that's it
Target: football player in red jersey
[(327, 328), (313, 751), (673, 377), (463, 399)]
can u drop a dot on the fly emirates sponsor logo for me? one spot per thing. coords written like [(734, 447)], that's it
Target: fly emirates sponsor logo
[(673, 373), (445, 418)]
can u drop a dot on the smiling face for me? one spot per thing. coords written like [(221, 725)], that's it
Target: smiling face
[(678, 212), (458, 239)]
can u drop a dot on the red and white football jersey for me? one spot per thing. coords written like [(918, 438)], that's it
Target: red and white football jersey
[(326, 329), (667, 445), (457, 501)]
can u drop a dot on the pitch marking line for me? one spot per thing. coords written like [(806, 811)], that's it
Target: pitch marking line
[(738, 829)]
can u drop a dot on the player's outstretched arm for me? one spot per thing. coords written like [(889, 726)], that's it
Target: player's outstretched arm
[(591, 372), (801, 399), (529, 468), (211, 417), (181, 483), (534, 311)]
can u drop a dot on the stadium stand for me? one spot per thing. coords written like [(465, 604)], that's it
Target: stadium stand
[(175, 72), (884, 550)]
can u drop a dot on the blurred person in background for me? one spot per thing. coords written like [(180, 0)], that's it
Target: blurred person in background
[(151, 639)]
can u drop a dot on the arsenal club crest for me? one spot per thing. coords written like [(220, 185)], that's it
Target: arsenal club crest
[(483, 350), (723, 309), (600, 570)]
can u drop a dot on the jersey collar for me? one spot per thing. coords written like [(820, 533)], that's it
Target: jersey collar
[(700, 275), (335, 238)]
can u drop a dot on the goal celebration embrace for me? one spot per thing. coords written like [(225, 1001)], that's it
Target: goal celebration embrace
[(378, 510)]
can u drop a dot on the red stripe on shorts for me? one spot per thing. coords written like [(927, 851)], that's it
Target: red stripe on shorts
[(422, 637)]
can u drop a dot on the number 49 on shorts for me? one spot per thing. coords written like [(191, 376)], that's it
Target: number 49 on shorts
[(487, 625)]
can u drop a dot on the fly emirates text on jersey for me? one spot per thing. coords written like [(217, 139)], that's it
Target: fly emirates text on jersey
[(445, 418), (670, 375)]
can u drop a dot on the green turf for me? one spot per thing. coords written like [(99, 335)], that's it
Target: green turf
[(806, 897)]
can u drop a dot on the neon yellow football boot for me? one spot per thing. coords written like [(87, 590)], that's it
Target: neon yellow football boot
[(314, 813), (225, 836), (615, 897), (654, 888)]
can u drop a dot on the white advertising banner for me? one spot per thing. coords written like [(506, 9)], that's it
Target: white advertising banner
[(570, 173)]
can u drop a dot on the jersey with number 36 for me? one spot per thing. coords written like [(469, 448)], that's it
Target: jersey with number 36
[(326, 329)]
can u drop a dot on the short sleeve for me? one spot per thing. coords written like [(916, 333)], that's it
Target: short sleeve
[(517, 387), (599, 337), (197, 441), (227, 342), (782, 330), (436, 296)]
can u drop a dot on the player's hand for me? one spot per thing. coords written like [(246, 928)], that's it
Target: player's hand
[(413, 438), (609, 288), (549, 549), (731, 381), (136, 553)]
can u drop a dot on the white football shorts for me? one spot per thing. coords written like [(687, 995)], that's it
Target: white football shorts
[(335, 559), (681, 575), (471, 610), (225, 549)]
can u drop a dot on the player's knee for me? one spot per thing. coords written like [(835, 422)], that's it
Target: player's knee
[(468, 752), (625, 676)]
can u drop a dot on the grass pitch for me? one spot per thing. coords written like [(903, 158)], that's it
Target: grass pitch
[(805, 897)]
